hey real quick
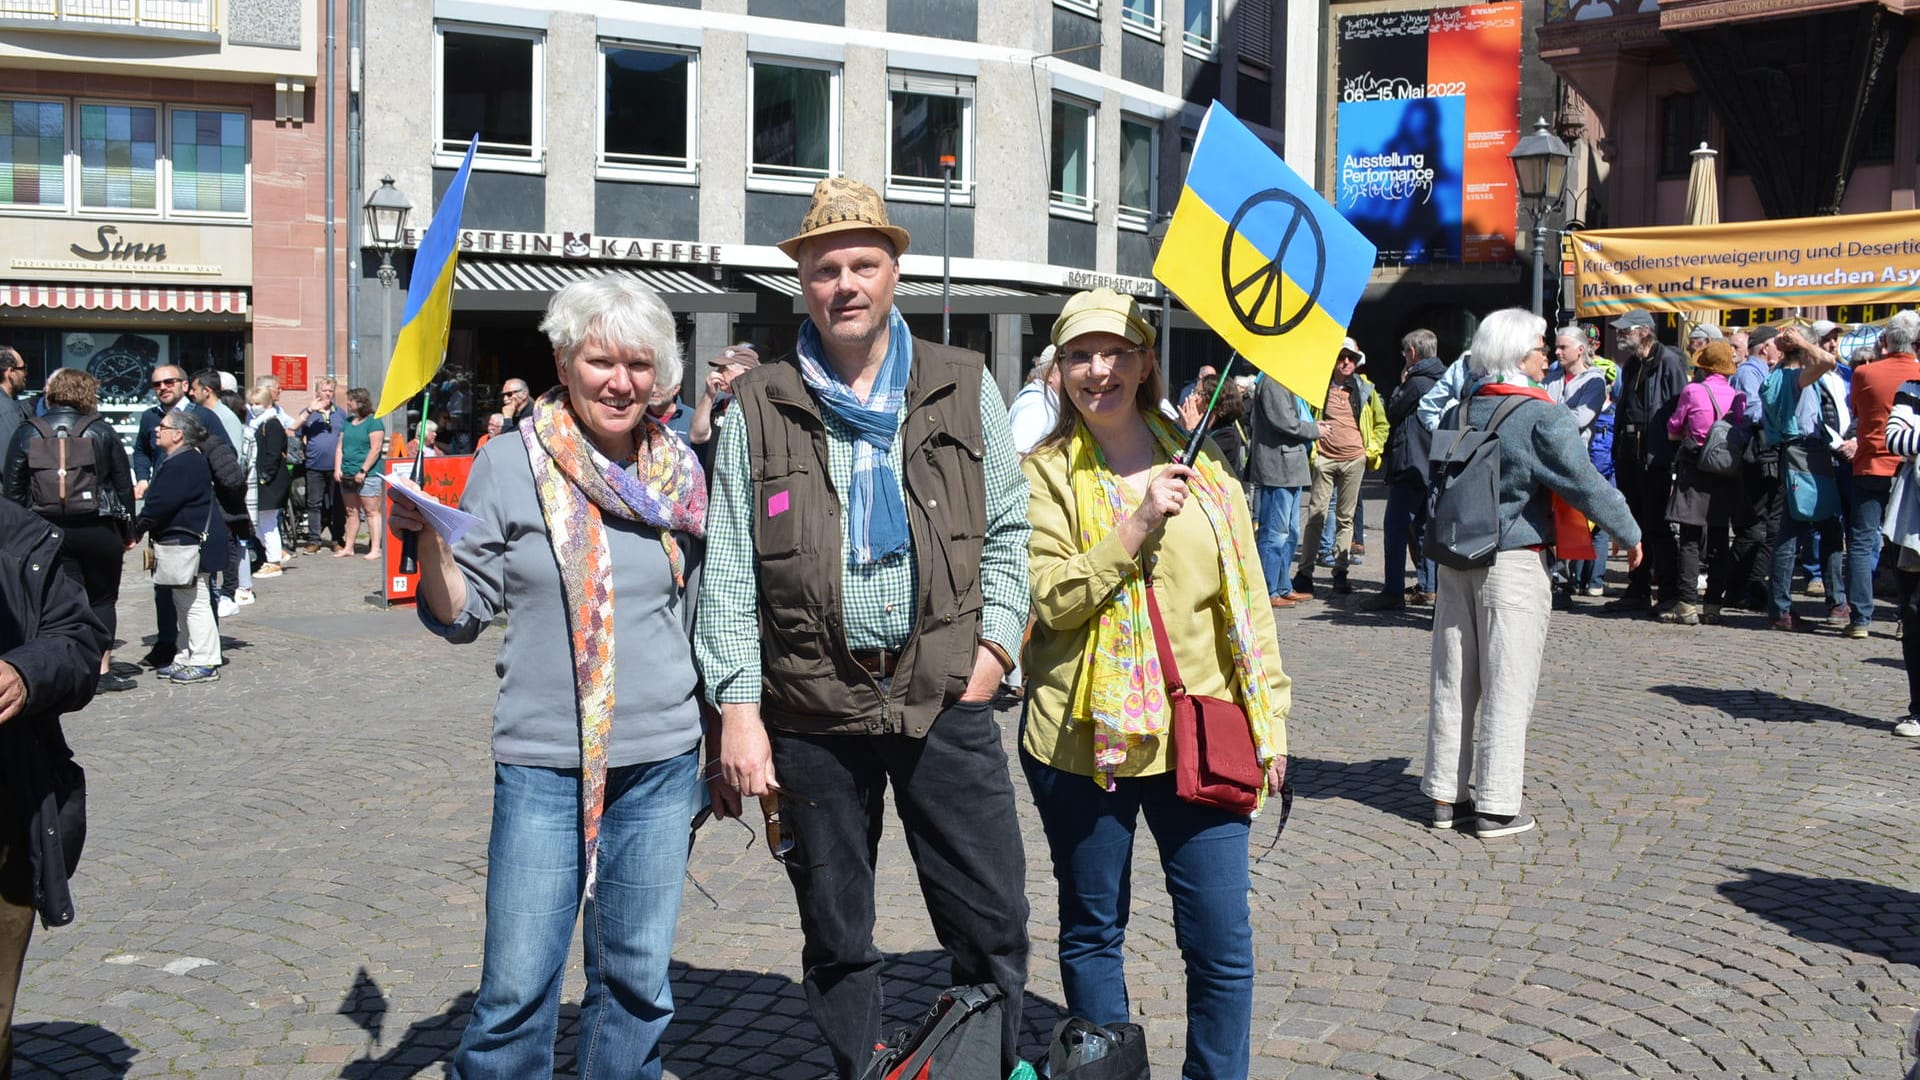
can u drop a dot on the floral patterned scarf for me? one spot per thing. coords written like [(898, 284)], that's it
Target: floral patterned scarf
[(576, 487), (1120, 684)]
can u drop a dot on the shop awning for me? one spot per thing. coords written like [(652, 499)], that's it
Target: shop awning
[(526, 285), (919, 296), (162, 298)]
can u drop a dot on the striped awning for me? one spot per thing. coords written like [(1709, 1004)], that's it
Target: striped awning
[(921, 296), (160, 298), (483, 284)]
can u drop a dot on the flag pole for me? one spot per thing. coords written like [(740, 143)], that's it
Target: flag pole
[(410, 538), (1199, 434)]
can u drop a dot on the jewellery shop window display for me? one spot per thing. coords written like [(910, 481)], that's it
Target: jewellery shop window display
[(123, 362)]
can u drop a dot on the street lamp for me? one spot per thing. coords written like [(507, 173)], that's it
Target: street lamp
[(947, 162), (1157, 236), (387, 211), (1540, 168)]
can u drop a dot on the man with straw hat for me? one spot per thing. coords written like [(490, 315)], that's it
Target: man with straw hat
[(866, 591)]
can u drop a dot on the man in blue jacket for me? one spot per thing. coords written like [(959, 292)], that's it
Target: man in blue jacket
[(50, 649)]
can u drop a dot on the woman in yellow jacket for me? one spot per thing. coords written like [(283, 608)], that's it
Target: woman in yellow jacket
[(1096, 740)]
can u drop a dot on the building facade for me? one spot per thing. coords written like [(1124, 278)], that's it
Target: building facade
[(1812, 108), (160, 188), (678, 142)]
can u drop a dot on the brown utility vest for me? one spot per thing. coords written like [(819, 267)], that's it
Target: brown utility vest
[(809, 680)]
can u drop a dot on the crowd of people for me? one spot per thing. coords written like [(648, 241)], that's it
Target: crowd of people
[(211, 470), (811, 588)]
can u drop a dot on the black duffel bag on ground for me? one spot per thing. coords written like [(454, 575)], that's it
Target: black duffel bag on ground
[(958, 1040)]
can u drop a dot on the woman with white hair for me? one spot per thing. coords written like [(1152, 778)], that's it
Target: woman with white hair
[(589, 517), (1037, 405), (1490, 622), (1573, 381)]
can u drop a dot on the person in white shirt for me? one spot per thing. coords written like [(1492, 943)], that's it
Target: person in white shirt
[(1036, 406)]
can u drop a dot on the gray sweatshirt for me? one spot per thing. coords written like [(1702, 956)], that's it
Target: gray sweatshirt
[(509, 566)]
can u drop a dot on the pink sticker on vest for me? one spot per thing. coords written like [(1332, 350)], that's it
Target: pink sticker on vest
[(777, 504)]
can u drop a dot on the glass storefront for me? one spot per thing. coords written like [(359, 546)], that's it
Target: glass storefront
[(123, 359)]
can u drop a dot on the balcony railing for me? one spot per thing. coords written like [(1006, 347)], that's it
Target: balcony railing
[(147, 14)]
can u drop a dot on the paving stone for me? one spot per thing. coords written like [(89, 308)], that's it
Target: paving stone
[(1722, 883)]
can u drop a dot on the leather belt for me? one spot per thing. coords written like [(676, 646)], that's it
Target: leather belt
[(1632, 429), (878, 663)]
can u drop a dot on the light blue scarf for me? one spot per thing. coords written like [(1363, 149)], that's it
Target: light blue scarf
[(876, 512)]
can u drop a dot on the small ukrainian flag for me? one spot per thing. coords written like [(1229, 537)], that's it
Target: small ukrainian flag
[(1259, 256), (422, 343)]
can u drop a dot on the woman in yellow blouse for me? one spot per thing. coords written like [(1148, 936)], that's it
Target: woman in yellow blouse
[(1096, 740)]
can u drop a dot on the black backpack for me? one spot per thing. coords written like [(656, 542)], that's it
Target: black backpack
[(63, 476), (1463, 501)]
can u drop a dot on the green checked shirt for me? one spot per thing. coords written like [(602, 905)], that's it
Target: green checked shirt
[(878, 599)]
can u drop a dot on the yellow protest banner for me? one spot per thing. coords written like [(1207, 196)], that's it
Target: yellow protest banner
[(1796, 262)]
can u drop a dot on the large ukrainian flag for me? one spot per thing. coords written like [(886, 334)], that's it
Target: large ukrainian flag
[(429, 315), (1258, 255)]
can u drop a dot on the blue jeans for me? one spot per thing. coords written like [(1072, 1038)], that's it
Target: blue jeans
[(1279, 535), (1406, 524), (1863, 542), (1786, 550), (535, 881), (1204, 856)]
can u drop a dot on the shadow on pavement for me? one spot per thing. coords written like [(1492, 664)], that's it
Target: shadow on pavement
[(727, 1023), (1860, 916), (1383, 783), (1764, 705), (61, 1049)]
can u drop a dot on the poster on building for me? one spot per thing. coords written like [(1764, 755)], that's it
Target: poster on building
[(1429, 107)]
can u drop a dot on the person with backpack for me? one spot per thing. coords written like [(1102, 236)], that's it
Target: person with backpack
[(1490, 618), (1406, 469), (70, 468), (1702, 504)]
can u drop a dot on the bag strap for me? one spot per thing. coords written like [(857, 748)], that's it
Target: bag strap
[(1501, 412), (1169, 670), (961, 1003)]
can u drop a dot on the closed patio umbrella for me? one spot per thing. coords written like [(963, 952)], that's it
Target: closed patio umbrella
[(1703, 208)]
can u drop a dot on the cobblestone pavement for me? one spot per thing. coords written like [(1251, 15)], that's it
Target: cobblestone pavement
[(285, 871)]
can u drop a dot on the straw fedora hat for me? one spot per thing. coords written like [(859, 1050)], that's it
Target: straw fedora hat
[(841, 204)]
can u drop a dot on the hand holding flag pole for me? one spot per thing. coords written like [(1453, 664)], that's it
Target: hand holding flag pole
[(428, 320), (1199, 434)]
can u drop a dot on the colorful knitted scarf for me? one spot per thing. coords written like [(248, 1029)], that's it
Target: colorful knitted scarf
[(1120, 683), (665, 490)]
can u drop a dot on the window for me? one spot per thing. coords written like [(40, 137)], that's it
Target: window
[(209, 161), (1683, 126), (795, 117), (1203, 19), (1072, 157), (1143, 15), (931, 115), (490, 85), (1139, 160), (33, 153), (81, 157), (119, 157), (647, 115)]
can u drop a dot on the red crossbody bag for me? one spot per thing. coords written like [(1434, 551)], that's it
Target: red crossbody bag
[(1215, 761)]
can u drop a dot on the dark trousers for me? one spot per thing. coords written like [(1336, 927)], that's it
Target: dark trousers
[(1909, 584), (954, 795), (324, 508), (1646, 485), (1756, 525), (1406, 528), (16, 928), (91, 554), (1710, 539)]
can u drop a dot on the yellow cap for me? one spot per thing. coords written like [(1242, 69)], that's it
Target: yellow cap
[(1102, 311)]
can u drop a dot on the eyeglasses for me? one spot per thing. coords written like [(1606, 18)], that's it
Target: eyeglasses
[(779, 839), (157, 383), (1112, 356)]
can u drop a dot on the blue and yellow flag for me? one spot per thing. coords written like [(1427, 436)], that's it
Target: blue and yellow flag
[(429, 316), (1258, 255)]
